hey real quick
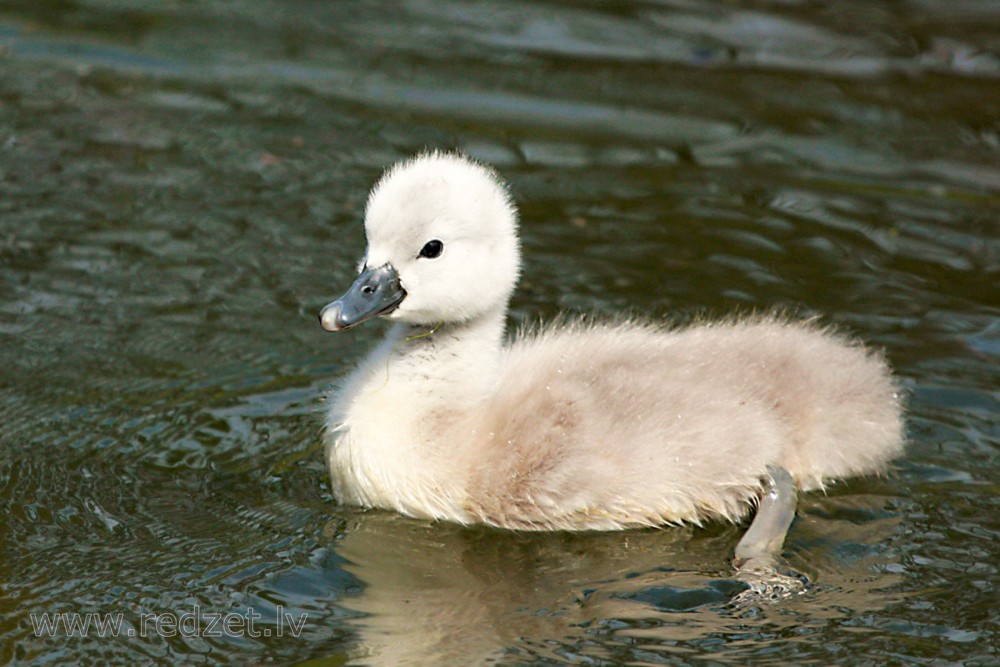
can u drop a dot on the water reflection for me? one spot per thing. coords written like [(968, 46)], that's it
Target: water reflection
[(442, 594)]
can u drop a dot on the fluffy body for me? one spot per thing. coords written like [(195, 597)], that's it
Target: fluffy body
[(580, 426)]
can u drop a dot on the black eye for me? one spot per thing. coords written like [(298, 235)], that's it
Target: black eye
[(432, 249)]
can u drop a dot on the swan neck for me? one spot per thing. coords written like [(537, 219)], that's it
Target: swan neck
[(463, 355)]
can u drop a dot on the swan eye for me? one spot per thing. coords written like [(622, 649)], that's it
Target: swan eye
[(432, 249)]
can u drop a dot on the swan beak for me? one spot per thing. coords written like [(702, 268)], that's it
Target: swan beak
[(375, 292)]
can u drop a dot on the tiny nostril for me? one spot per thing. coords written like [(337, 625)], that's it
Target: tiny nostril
[(369, 289)]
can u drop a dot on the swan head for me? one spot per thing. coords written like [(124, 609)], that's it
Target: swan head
[(442, 246)]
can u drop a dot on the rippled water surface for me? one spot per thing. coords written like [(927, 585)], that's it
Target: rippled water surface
[(181, 186)]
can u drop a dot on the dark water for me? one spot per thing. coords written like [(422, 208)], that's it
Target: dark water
[(181, 185)]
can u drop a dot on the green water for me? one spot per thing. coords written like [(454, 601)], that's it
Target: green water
[(181, 189)]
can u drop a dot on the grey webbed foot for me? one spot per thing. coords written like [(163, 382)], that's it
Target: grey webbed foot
[(758, 551)]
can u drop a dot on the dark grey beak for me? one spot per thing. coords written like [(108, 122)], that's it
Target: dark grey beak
[(375, 292)]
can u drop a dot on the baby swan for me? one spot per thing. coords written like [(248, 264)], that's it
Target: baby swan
[(581, 426)]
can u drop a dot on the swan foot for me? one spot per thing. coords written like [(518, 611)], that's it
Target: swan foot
[(766, 583), (758, 551)]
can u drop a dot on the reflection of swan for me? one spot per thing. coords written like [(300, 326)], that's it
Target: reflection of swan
[(446, 595), (443, 595), (581, 426)]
